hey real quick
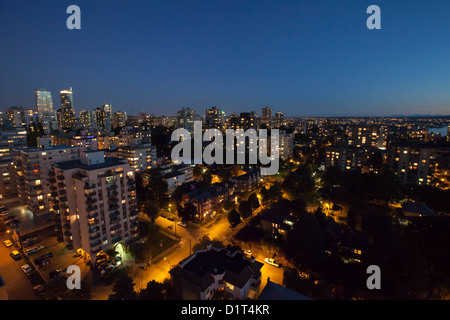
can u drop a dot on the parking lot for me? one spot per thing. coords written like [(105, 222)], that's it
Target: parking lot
[(54, 255)]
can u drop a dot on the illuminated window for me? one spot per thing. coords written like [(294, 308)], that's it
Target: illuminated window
[(229, 286)]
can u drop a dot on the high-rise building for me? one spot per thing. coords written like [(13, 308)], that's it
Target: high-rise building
[(215, 118), (67, 113), (21, 116), (31, 167), (88, 119), (413, 162), (266, 117), (286, 145), (44, 109), (245, 121), (95, 197), (10, 138), (279, 119), (104, 117), (119, 119), (185, 119)]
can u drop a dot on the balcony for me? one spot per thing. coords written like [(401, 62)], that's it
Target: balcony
[(116, 226), (91, 208), (95, 243), (93, 215), (133, 213), (93, 229), (94, 236), (90, 200), (113, 207), (116, 239)]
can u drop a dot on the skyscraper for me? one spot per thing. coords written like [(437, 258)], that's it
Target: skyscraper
[(44, 109), (215, 118), (266, 116), (104, 117), (279, 120), (67, 115), (185, 119)]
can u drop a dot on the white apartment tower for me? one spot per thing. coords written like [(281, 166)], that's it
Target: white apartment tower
[(95, 197)]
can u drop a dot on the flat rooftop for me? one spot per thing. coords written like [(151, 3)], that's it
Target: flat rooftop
[(74, 164)]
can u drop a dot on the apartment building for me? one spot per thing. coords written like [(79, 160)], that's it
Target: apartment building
[(10, 138), (140, 157), (95, 197), (31, 168), (413, 162)]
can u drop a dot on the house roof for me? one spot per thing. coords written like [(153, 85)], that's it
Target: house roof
[(274, 291), (417, 209), (236, 268)]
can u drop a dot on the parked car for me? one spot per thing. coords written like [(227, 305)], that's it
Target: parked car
[(181, 224), (272, 262), (39, 289), (15, 255), (54, 273), (26, 268), (7, 243)]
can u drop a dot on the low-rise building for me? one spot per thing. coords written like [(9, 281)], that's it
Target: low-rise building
[(206, 271)]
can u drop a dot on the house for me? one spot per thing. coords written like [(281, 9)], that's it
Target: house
[(199, 276), (248, 180), (203, 200), (352, 245), (278, 220)]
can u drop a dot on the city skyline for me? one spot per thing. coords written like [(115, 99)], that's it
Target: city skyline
[(303, 59)]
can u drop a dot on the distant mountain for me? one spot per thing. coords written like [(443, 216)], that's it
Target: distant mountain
[(420, 116)]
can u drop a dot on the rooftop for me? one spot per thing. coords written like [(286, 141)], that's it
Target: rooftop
[(274, 291), (73, 164)]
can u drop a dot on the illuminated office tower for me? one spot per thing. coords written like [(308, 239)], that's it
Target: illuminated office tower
[(44, 109), (67, 113)]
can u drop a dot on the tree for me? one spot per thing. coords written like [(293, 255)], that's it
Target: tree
[(186, 213), (123, 288), (151, 209), (157, 187), (204, 241), (157, 291), (245, 209), (234, 218), (275, 192), (254, 201)]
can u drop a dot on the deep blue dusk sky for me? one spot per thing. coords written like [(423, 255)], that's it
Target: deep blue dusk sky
[(301, 57)]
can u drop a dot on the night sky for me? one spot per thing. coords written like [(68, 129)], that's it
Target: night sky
[(304, 58)]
